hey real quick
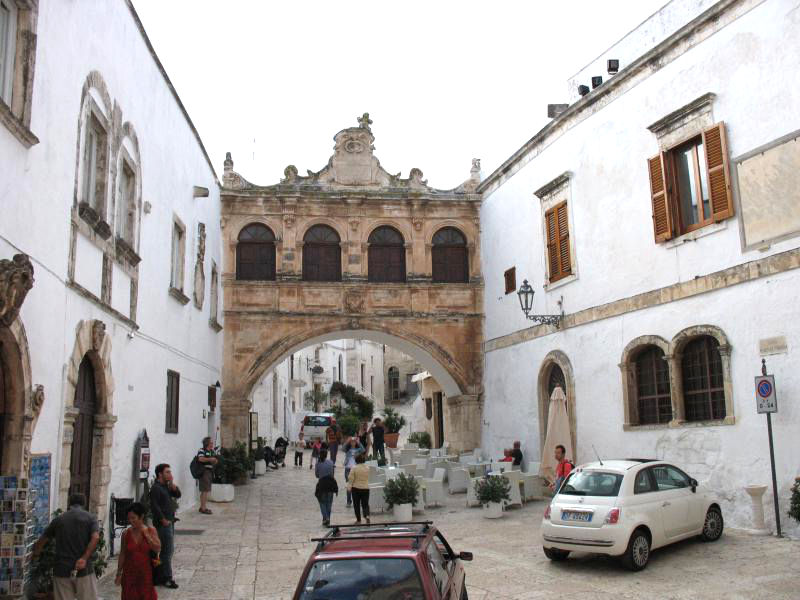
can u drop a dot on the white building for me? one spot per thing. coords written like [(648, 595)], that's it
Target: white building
[(109, 197), (669, 305), (399, 368)]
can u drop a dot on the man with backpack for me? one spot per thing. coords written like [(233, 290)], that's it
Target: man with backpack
[(563, 468), (202, 469)]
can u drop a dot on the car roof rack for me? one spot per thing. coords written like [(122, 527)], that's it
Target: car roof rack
[(375, 533)]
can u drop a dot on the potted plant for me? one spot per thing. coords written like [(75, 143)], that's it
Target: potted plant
[(421, 438), (393, 423), (258, 457), (401, 495), (348, 424), (233, 468), (491, 491)]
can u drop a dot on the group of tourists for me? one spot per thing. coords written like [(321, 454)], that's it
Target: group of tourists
[(368, 441), (145, 557)]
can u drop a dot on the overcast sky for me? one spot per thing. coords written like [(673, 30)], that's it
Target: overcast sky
[(444, 81)]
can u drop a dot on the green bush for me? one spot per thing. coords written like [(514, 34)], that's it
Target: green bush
[(794, 502), (233, 464), (393, 421), (349, 424), (403, 489), (337, 387), (423, 438), (492, 488)]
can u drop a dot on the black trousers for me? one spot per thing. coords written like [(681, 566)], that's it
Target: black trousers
[(361, 502), (298, 458)]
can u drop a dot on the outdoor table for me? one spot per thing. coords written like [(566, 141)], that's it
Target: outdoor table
[(478, 468)]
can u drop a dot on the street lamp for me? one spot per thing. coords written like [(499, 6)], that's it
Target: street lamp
[(525, 294)]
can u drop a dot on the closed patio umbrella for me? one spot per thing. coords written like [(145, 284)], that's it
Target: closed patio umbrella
[(558, 432)]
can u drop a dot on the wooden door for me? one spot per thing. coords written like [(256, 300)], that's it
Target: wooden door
[(80, 465), (322, 262), (449, 264), (387, 264), (437, 399)]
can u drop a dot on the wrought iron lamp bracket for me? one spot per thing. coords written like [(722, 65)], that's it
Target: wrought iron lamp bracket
[(554, 320)]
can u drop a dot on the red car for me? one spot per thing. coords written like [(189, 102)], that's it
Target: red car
[(383, 561)]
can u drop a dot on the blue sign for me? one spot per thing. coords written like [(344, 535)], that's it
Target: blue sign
[(765, 389)]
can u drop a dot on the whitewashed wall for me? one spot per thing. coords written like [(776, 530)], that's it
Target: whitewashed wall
[(36, 189), (746, 65)]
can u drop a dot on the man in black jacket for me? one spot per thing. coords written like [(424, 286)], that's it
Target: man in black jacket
[(162, 505)]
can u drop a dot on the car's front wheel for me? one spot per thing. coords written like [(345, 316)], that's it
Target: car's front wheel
[(712, 526), (555, 553), (637, 555)]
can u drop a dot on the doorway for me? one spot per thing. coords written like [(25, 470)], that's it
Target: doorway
[(439, 422), (80, 465)]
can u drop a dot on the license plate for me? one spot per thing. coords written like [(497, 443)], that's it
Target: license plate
[(571, 515)]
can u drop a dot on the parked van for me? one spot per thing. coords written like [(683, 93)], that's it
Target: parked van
[(314, 426)]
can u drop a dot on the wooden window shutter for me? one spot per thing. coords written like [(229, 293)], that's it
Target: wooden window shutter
[(558, 252), (659, 195), (719, 178)]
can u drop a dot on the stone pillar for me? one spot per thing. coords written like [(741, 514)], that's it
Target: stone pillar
[(234, 418), (463, 422), (70, 414), (756, 493)]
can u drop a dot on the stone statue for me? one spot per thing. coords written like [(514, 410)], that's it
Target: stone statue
[(364, 122), (199, 267), (16, 280), (98, 334)]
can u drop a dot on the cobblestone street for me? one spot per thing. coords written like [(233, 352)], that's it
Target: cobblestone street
[(256, 547)]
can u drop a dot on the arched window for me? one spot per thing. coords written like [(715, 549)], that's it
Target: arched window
[(341, 369), (394, 384), (703, 392), (386, 256), (554, 380), (255, 254), (322, 255), (653, 401), (449, 256)]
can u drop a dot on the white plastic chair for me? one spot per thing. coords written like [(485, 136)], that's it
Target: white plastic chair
[(466, 458), (513, 477), (376, 499), (434, 488), (477, 454), (472, 496), (409, 469), (412, 446), (422, 466), (458, 479)]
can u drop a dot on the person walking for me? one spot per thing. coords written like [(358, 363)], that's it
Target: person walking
[(76, 534), (207, 458), (358, 486), (315, 448), (326, 486), (298, 450), (134, 565), (352, 449), (363, 436), (563, 468), (378, 430), (162, 504), (333, 435)]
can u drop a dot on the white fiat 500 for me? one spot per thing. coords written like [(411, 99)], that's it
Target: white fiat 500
[(627, 508)]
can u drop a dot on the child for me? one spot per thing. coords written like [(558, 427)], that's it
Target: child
[(507, 457), (298, 450), (315, 448)]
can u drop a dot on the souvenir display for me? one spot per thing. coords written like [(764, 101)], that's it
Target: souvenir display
[(16, 534)]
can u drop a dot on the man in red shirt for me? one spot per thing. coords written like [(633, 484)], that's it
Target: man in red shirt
[(563, 468)]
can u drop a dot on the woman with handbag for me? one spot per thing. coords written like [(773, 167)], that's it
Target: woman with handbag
[(138, 554)]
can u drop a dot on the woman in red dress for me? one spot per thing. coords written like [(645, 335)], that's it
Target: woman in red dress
[(134, 566)]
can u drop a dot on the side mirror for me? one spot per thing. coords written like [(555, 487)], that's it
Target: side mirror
[(467, 556), (693, 483)]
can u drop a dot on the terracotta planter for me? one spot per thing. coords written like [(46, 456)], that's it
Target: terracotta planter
[(493, 510), (391, 439)]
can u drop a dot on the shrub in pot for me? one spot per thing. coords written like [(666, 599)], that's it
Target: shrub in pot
[(794, 501), (393, 422), (491, 491), (401, 495), (421, 438), (233, 468)]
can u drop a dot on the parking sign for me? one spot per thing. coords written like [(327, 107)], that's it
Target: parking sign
[(766, 399)]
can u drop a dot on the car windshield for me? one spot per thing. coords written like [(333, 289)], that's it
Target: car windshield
[(317, 421), (591, 483), (363, 579)]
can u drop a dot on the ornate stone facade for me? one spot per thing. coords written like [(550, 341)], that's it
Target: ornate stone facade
[(353, 194)]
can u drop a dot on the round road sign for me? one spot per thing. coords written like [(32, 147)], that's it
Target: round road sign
[(764, 389)]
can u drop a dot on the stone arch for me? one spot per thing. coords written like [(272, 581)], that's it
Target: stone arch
[(23, 402), (556, 358), (627, 370), (467, 232), (338, 227), (103, 110), (403, 228), (90, 341), (675, 356), (134, 159)]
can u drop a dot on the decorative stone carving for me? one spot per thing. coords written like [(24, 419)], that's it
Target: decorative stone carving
[(199, 267), (288, 220), (354, 224), (37, 400), (364, 122), (289, 174), (415, 179), (16, 280), (354, 302), (98, 334), (230, 178), (417, 223)]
